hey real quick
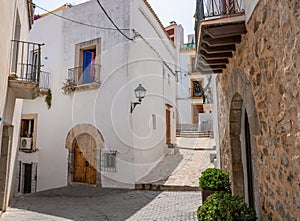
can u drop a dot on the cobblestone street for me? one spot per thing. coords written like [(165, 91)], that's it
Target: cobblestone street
[(83, 203)]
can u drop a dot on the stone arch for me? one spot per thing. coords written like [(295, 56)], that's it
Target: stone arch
[(72, 136), (241, 100)]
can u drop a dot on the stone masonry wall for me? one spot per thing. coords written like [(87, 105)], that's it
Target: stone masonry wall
[(267, 62)]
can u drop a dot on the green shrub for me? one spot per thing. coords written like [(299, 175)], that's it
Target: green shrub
[(214, 179), (222, 206)]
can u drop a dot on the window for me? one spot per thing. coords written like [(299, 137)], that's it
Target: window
[(28, 132), (108, 160), (33, 66), (87, 60), (192, 64), (88, 64), (197, 88)]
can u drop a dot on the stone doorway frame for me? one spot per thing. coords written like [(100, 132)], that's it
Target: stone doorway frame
[(70, 140), (236, 126), (5, 161)]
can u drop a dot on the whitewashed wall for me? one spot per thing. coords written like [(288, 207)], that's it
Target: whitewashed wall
[(123, 66), (12, 112), (184, 99), (249, 7), (148, 69)]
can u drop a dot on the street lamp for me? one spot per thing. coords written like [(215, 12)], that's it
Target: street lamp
[(140, 92)]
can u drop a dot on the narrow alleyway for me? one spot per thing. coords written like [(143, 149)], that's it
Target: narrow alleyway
[(183, 168)]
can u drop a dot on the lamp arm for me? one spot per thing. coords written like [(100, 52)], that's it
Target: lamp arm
[(133, 105)]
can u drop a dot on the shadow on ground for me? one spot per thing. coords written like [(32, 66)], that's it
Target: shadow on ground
[(160, 173), (81, 203)]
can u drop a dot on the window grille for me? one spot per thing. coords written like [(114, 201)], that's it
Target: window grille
[(108, 160)]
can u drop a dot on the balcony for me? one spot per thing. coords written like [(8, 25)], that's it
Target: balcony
[(80, 78), (187, 46), (26, 79), (219, 26)]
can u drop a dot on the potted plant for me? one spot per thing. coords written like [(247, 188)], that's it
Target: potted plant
[(212, 180), (226, 207)]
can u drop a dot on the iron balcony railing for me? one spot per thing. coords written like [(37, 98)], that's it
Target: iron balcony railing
[(216, 8), (44, 82), (188, 46), (79, 75), (26, 61)]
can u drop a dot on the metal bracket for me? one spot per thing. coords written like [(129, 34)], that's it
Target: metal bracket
[(133, 105)]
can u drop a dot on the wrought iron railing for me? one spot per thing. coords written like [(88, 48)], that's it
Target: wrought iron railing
[(26, 61), (188, 46), (216, 8), (44, 82), (80, 76), (222, 7)]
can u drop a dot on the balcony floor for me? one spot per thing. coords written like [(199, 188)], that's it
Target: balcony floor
[(217, 40), (24, 89)]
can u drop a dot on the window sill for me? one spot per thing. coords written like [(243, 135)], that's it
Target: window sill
[(194, 73), (28, 150), (85, 87)]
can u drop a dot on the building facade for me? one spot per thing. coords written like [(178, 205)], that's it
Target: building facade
[(97, 131), (193, 97), (20, 78), (258, 99)]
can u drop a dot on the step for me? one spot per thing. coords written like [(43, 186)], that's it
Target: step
[(162, 187)]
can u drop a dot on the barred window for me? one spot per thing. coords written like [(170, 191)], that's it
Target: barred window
[(108, 160)]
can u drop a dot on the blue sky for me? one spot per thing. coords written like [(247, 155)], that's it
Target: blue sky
[(181, 11)]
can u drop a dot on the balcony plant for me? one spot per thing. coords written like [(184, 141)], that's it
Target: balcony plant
[(212, 180), (68, 87), (226, 207), (48, 99)]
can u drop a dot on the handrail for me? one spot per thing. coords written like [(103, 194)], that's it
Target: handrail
[(25, 61), (79, 75), (206, 9)]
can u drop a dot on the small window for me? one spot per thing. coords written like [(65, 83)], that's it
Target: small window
[(28, 132), (87, 63), (197, 88), (192, 64), (108, 160)]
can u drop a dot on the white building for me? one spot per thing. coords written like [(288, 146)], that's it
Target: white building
[(20, 77), (89, 135), (195, 91)]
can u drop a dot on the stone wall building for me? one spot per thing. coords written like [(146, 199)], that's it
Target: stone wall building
[(259, 109)]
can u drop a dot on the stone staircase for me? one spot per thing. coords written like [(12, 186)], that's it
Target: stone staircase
[(191, 131)]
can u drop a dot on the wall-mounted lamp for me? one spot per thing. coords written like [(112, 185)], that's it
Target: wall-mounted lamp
[(140, 92)]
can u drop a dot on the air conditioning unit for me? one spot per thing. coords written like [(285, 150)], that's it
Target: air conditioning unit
[(26, 143)]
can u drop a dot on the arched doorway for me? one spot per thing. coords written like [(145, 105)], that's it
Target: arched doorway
[(241, 154), (84, 159), (84, 143)]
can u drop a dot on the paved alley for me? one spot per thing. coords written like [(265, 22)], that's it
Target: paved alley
[(83, 203), (184, 168), (86, 203)]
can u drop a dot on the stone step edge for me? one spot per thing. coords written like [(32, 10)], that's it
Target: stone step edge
[(162, 187)]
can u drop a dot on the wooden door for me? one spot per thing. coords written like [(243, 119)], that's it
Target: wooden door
[(196, 109), (85, 160), (168, 126), (27, 177)]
